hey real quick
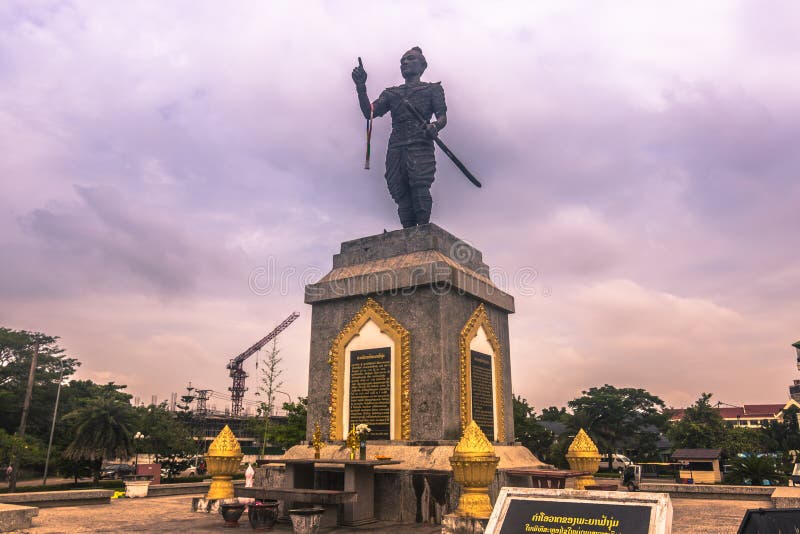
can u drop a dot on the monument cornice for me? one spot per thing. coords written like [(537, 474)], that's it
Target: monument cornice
[(405, 273)]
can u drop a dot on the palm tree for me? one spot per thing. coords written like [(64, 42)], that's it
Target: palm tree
[(102, 431), (755, 470)]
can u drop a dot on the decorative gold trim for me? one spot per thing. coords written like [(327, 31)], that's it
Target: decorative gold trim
[(479, 318), (582, 455), (402, 382), (474, 465)]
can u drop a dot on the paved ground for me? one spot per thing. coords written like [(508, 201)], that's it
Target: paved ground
[(710, 516), (172, 514)]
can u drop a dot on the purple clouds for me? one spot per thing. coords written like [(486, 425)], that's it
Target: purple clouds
[(642, 159)]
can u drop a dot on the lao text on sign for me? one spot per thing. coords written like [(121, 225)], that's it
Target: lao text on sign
[(370, 390), (482, 392), (561, 511)]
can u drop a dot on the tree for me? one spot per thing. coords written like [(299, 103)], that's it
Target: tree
[(16, 349), (270, 383), (166, 437), (738, 440), (185, 405), (554, 414), (528, 431), (701, 427), (103, 430), (28, 449), (616, 416), (294, 431), (31, 364), (783, 436)]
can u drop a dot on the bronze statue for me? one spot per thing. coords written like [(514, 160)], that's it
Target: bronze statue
[(410, 162)]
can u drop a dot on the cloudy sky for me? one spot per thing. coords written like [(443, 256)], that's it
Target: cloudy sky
[(639, 161)]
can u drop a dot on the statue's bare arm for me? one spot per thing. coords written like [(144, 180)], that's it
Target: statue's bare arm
[(360, 79)]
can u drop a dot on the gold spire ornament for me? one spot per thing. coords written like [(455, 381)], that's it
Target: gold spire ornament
[(474, 464), (316, 440), (353, 442), (223, 460), (583, 455)]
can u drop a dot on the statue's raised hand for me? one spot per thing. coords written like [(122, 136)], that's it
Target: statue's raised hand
[(359, 74)]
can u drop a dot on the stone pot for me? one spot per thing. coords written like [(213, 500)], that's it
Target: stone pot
[(262, 514), (306, 520), (231, 512), (135, 486)]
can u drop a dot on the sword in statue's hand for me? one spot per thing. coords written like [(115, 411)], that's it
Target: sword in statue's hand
[(414, 111)]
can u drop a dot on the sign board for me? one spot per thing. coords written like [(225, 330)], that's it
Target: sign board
[(482, 392), (774, 521), (561, 511), (370, 390)]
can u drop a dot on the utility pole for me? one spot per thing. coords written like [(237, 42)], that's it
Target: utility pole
[(26, 405), (53, 426)]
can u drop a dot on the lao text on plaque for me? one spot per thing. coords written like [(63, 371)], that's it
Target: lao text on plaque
[(370, 390), (482, 392), (580, 512)]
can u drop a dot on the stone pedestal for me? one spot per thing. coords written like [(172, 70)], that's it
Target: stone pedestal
[(458, 524), (428, 285)]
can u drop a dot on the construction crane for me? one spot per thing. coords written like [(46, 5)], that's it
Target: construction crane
[(237, 372)]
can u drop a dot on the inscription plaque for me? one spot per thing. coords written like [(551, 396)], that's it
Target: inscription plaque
[(370, 390), (551, 516), (482, 395)]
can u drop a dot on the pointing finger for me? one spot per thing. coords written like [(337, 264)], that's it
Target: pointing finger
[(361, 65)]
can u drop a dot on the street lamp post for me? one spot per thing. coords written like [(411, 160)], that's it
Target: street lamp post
[(53, 425), (290, 397), (136, 438)]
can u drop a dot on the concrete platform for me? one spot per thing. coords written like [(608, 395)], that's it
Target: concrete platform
[(786, 497), (14, 517), (47, 499), (173, 514), (712, 491)]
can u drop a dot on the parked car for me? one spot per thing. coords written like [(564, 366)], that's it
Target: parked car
[(619, 462), (116, 471)]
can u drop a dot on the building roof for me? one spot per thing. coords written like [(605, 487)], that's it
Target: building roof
[(556, 427), (746, 411), (696, 454)]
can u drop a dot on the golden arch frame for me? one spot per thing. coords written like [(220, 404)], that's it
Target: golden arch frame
[(371, 310), (480, 318)]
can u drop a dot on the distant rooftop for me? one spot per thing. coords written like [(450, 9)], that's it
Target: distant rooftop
[(696, 454), (746, 411)]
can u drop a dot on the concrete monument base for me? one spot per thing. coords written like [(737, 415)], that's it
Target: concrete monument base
[(420, 489), (424, 295), (426, 456)]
